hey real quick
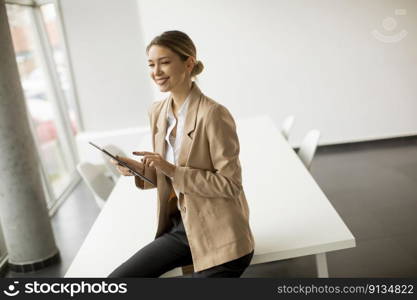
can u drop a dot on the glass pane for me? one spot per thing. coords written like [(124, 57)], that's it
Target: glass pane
[(56, 42), (3, 250), (38, 97)]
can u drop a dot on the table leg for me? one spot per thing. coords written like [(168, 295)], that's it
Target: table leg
[(321, 263)]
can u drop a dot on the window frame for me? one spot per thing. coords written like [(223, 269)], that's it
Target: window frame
[(58, 99)]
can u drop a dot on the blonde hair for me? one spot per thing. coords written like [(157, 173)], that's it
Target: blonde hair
[(181, 44)]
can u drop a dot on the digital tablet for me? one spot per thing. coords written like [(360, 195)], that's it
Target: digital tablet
[(122, 163)]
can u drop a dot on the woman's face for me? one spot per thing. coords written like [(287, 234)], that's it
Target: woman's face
[(167, 69)]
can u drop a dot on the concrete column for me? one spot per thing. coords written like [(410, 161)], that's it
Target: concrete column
[(23, 212)]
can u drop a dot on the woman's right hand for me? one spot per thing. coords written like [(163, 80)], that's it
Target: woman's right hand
[(138, 166)]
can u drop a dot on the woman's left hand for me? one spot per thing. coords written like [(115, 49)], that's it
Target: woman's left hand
[(152, 159)]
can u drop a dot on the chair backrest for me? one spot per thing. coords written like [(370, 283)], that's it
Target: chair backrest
[(308, 147), (287, 125), (109, 166), (96, 180)]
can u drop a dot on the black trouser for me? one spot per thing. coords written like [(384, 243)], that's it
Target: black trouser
[(171, 250)]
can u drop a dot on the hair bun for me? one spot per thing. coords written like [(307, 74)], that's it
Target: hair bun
[(198, 68)]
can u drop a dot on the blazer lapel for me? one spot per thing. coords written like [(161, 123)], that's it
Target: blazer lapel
[(161, 126), (190, 123), (189, 126)]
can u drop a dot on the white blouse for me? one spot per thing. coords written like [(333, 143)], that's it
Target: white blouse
[(174, 143)]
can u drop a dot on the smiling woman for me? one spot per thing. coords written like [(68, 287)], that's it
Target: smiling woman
[(171, 57), (203, 215)]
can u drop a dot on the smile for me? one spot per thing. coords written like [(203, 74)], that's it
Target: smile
[(161, 81)]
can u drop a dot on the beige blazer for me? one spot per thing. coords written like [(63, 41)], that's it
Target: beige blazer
[(208, 178)]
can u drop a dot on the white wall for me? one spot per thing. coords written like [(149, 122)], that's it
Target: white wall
[(315, 59), (108, 57)]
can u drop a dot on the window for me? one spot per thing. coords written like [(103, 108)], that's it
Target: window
[(56, 42), (45, 77), (3, 250)]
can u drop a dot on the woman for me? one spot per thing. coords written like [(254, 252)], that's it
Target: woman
[(203, 216)]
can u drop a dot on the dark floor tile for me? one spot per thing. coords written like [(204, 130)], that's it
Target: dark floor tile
[(363, 225), (301, 267), (373, 258), (408, 243), (399, 221)]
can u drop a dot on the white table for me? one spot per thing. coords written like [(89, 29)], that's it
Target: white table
[(289, 214)]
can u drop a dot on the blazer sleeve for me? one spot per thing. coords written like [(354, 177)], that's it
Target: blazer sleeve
[(148, 172), (225, 181)]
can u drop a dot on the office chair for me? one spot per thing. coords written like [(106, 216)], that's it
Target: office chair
[(308, 147), (286, 126), (96, 180)]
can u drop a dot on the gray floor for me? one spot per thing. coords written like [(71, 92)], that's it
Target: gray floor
[(373, 186)]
